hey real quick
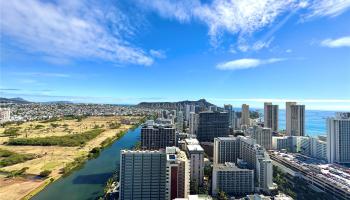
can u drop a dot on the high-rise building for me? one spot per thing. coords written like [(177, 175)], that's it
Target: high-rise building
[(187, 112), (238, 120), (298, 120), (338, 138), (232, 180), (163, 174), (255, 157), (157, 137), (245, 115), (226, 149), (232, 115), (213, 108), (289, 117), (294, 144), (195, 153), (271, 116), (180, 121), (262, 136), (193, 123), (211, 125), (258, 159), (177, 174), (310, 146), (142, 175), (228, 107), (295, 119), (264, 173), (318, 148)]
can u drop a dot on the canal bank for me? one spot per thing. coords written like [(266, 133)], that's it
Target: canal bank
[(88, 182)]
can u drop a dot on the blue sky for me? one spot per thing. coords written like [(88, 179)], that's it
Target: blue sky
[(127, 51)]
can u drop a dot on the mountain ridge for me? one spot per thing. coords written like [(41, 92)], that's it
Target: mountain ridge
[(175, 105)]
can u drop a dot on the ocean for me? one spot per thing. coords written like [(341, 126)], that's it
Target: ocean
[(315, 121)]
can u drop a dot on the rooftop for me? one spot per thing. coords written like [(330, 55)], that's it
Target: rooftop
[(331, 173), (191, 141), (228, 166), (194, 147)]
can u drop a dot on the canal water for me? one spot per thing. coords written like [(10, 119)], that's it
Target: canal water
[(89, 181)]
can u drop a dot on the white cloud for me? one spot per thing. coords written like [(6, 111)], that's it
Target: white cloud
[(179, 10), (327, 7), (71, 29), (242, 17), (246, 63), (239, 16), (244, 46), (157, 53), (335, 43)]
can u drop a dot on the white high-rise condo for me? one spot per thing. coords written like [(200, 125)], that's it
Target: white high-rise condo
[(163, 174), (137, 172), (271, 116), (295, 119), (244, 151), (195, 154), (262, 136), (193, 123), (187, 112), (338, 140)]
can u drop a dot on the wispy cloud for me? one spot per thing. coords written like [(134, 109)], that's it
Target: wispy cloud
[(72, 30), (335, 43), (242, 17), (17, 89), (246, 63), (43, 74), (157, 53), (27, 81), (326, 7), (244, 46), (9, 89)]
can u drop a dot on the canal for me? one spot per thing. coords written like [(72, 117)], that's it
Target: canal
[(89, 181)]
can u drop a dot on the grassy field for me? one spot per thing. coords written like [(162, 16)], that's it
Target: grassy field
[(71, 140), (8, 158), (55, 146)]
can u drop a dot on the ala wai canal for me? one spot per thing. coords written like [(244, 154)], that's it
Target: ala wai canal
[(89, 181)]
